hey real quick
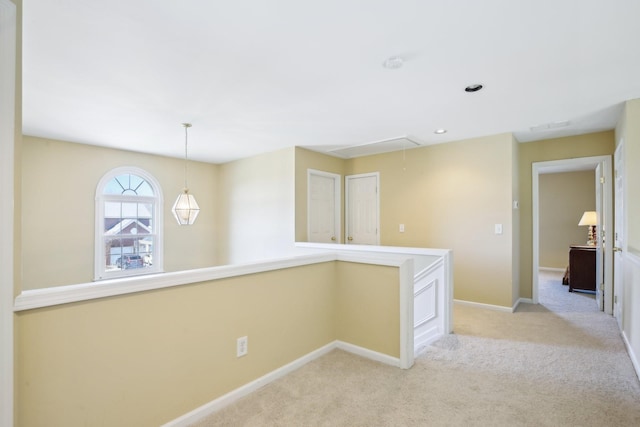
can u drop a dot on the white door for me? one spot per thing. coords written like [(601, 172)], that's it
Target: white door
[(323, 207), (599, 243), (362, 209), (618, 234)]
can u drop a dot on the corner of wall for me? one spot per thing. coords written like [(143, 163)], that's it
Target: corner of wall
[(515, 220)]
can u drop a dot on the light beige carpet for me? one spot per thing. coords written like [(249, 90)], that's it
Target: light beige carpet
[(560, 363)]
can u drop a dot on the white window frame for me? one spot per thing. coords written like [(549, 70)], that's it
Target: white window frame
[(100, 272)]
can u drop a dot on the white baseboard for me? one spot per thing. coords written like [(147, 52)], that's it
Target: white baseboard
[(368, 354), (234, 395), (424, 339), (486, 306), (231, 397), (553, 269), (632, 355), (494, 307), (521, 300)]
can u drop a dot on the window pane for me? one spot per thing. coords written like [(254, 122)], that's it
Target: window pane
[(149, 224), (145, 189), (145, 210), (128, 253), (129, 210), (112, 210), (113, 187), (112, 226), (113, 251), (128, 184), (134, 182), (145, 248)]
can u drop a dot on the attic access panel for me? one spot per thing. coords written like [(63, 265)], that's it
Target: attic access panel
[(377, 147)]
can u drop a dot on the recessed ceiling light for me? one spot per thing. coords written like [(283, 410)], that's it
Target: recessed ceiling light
[(393, 62), (473, 88), (440, 131)]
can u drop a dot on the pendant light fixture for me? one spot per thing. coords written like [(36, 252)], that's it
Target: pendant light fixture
[(185, 209)]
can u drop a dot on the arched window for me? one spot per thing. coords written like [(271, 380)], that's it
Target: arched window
[(128, 224)]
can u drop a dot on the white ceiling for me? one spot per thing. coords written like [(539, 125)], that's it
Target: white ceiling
[(254, 76)]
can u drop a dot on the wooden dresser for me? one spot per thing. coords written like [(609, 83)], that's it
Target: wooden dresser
[(582, 268)]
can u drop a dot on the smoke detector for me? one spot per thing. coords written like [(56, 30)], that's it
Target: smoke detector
[(393, 63)]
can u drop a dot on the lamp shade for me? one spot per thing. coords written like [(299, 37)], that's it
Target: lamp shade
[(185, 209), (588, 218)]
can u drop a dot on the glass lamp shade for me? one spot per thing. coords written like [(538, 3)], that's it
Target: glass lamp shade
[(185, 209)]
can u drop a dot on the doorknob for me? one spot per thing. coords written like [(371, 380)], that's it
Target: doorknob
[(616, 249), (333, 238), (350, 238)]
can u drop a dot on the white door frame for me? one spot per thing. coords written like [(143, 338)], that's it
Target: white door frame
[(337, 195), (571, 165), (620, 215), (599, 241), (346, 204), (8, 21)]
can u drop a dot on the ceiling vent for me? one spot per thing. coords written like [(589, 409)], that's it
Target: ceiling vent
[(377, 147), (550, 126)]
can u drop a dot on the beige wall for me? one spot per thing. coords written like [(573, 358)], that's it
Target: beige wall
[(365, 302), (595, 144), (59, 181), (563, 197), (144, 359), (257, 207), (450, 196), (305, 160)]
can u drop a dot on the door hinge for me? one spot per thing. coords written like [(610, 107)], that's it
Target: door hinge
[(615, 299), (602, 286), (602, 180)]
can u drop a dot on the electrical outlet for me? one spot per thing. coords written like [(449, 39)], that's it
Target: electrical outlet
[(242, 346)]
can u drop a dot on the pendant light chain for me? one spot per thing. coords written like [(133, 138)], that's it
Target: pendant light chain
[(186, 161)]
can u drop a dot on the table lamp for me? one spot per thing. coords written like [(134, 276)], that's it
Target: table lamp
[(589, 218)]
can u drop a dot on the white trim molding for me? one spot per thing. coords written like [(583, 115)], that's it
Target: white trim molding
[(46, 297), (8, 34), (235, 395), (485, 306), (552, 269), (571, 165), (631, 258)]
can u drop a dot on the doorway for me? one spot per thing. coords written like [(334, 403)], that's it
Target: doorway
[(362, 213), (323, 207), (605, 220)]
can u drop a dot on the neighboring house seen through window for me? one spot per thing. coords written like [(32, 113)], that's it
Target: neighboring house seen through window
[(128, 224)]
